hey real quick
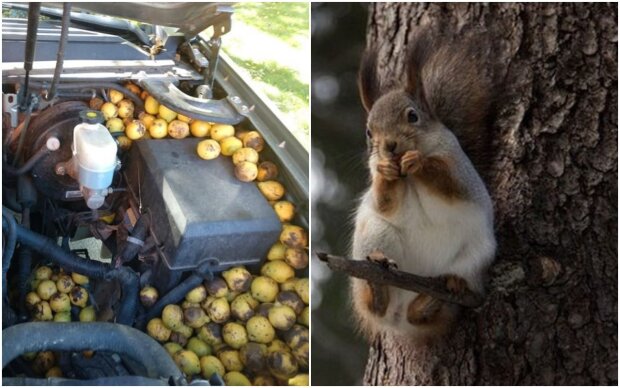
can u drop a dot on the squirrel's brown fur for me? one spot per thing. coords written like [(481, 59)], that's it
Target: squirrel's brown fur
[(451, 77)]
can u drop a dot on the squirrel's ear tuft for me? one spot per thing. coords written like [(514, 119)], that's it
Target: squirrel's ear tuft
[(455, 78), (419, 53), (367, 80)]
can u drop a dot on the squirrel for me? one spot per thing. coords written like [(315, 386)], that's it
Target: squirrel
[(427, 210)]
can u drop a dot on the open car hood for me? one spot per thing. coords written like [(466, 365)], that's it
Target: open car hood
[(190, 18)]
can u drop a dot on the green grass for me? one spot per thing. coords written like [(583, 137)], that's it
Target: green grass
[(286, 86), (285, 21), (271, 43)]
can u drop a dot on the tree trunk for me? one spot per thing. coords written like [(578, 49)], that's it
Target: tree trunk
[(551, 311)]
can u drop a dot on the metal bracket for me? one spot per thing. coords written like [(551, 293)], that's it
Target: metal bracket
[(211, 50), (201, 64), (218, 111), (205, 60), (213, 53), (239, 105), (194, 56), (221, 26), (11, 106)]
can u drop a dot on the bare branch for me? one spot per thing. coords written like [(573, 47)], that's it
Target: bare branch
[(379, 274)]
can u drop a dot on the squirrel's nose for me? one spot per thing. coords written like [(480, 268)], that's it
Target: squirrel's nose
[(391, 146)]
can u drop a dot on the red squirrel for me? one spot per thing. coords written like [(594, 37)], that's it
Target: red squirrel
[(427, 210)]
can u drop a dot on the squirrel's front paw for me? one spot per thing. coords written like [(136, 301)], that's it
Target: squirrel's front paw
[(410, 162), (456, 284), (388, 169), (376, 256)]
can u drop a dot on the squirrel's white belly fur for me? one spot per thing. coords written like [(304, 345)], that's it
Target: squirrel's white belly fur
[(430, 236)]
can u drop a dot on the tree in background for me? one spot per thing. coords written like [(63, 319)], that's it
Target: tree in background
[(550, 316)]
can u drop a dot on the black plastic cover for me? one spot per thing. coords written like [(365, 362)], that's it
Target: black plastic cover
[(199, 210)]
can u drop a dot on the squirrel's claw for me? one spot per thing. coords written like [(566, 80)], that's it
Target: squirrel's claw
[(456, 284), (410, 162), (376, 256)]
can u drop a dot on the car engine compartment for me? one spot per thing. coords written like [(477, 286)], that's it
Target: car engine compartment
[(82, 200)]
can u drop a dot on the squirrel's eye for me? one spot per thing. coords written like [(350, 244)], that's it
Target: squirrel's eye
[(412, 116), (368, 134)]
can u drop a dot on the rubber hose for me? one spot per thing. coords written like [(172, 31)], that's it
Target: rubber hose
[(9, 317), (97, 336), (34, 159), (130, 288), (9, 200), (60, 56), (69, 95), (90, 85), (65, 259), (129, 280), (9, 248), (22, 137), (26, 194), (132, 246), (27, 197), (24, 264)]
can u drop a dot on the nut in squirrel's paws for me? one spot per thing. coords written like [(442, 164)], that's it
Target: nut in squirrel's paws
[(456, 284), (410, 162), (389, 169), (376, 256)]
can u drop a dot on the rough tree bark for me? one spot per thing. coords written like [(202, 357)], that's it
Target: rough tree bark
[(551, 312)]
